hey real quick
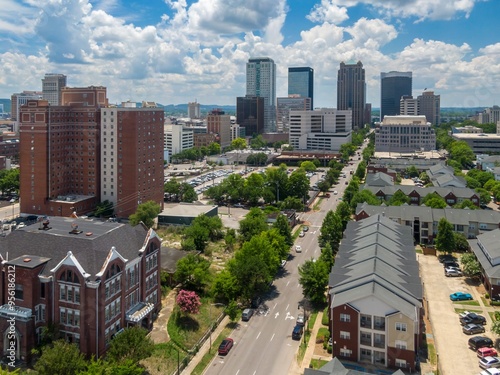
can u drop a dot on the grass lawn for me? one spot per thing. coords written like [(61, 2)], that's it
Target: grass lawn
[(164, 359), (187, 330), (317, 363), (467, 303)]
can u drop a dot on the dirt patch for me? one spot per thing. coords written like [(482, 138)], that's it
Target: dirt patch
[(319, 351)]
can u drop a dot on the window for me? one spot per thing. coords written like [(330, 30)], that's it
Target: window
[(345, 335), (400, 344), (400, 363), (19, 293), (345, 318), (345, 352), (401, 327)]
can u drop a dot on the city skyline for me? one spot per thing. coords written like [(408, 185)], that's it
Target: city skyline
[(176, 52)]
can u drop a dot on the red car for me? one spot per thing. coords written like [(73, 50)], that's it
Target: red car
[(225, 346)]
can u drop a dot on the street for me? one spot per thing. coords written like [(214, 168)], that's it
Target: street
[(264, 344)]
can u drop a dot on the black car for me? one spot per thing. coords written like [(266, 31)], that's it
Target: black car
[(297, 332), (478, 342), (450, 263), (473, 318)]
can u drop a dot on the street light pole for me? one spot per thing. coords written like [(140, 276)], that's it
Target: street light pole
[(211, 324)]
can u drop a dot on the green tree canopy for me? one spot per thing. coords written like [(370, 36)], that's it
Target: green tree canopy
[(313, 277), (364, 196), (461, 152), (193, 271), (445, 239), (133, 344), (283, 227), (433, 200), (308, 166), (331, 231), (146, 212), (466, 204), (104, 208), (471, 266), (61, 358), (253, 224), (398, 199), (225, 286)]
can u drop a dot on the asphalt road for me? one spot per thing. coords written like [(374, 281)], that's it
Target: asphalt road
[(264, 345)]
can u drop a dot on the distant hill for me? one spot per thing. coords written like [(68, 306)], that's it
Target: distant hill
[(181, 109)]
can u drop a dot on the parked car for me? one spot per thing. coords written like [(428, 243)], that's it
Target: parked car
[(490, 371), (452, 272), (486, 352), (297, 332), (335, 192), (225, 346), (300, 319), (450, 263), (471, 329), (489, 362), (463, 314), (302, 234), (246, 315), (283, 263), (460, 296), (477, 342), (298, 249), (446, 258), (305, 228), (473, 318)]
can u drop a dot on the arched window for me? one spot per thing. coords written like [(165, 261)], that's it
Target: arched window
[(70, 277), (114, 270)]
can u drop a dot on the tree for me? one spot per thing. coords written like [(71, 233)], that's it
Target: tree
[(471, 266), (472, 183), (104, 209), (199, 234), (253, 188), (433, 200), (231, 310), (230, 239), (187, 193), (172, 188), (466, 204), (214, 148), (445, 239), (100, 367), (293, 203), (327, 256), (259, 158), (481, 176), (225, 286), (461, 152), (411, 171), (146, 212), (313, 277), (298, 184), (132, 344), (257, 142), (188, 302), (254, 223), (361, 170), (60, 358), (344, 212), (308, 166), (9, 181), (238, 144), (193, 272), (283, 228), (331, 231), (461, 243), (364, 196), (398, 199)]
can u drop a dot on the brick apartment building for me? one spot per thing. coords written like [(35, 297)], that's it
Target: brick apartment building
[(88, 278), (70, 160)]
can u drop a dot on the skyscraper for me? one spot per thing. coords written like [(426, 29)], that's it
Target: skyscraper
[(52, 85), (194, 110), (351, 92), (430, 106), (393, 86), (219, 123), (301, 82), (261, 81), (250, 114)]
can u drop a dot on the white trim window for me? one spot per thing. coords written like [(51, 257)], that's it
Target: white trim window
[(401, 327), (345, 335), (345, 318), (400, 344)]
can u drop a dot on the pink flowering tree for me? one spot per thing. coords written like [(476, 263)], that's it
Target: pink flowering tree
[(189, 302)]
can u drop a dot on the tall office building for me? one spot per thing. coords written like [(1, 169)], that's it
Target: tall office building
[(261, 81), (193, 110), (52, 85), (219, 123), (351, 92), (285, 105), (250, 114), (408, 106), (17, 101), (75, 155), (131, 156), (430, 106), (301, 82), (393, 86)]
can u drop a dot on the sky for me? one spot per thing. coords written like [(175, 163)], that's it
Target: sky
[(174, 52)]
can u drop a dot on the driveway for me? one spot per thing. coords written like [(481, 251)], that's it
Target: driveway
[(454, 356)]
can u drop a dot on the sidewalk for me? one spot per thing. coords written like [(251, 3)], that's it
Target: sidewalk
[(205, 347)]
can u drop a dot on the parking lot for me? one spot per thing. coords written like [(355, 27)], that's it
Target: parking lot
[(454, 356)]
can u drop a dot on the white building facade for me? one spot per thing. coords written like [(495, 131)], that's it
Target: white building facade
[(320, 129), (404, 134), (177, 139)]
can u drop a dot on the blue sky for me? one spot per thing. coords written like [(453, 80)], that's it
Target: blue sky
[(175, 51)]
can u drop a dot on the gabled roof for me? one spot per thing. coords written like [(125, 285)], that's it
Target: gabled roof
[(379, 179), (487, 251), (459, 192), (491, 159), (335, 367), (449, 180), (377, 258), (91, 247), (439, 168)]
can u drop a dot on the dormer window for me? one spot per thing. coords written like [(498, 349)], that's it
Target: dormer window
[(69, 276)]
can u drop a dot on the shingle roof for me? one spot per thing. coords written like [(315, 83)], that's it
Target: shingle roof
[(90, 247), (377, 258), (379, 179), (488, 255), (336, 367), (448, 179), (463, 193)]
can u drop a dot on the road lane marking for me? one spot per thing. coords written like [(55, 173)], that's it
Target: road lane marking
[(258, 335), (276, 304), (287, 306), (272, 337), (237, 372), (288, 282), (277, 314)]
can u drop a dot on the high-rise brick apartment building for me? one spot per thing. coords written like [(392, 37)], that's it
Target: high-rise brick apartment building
[(219, 123), (63, 163), (88, 278)]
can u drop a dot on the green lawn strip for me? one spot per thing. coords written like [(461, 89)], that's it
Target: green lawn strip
[(322, 333), (324, 319), (207, 358), (312, 319), (486, 302), (467, 303), (164, 359), (431, 350), (317, 363), (318, 203), (458, 311), (492, 316)]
